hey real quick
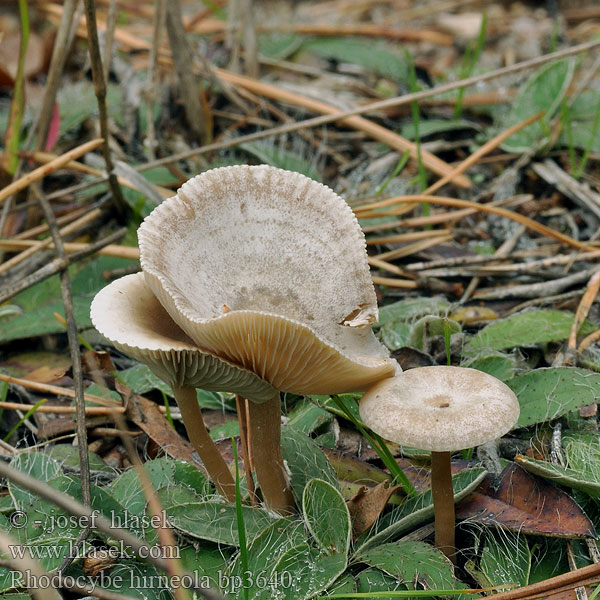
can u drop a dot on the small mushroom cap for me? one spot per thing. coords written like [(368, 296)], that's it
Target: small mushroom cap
[(127, 313), (268, 269), (441, 409)]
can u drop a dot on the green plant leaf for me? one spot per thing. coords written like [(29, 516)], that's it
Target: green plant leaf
[(304, 572), (543, 91), (306, 417), (142, 380), (412, 562), (36, 465), (375, 580), (375, 57), (212, 521), (548, 393), (528, 328), (163, 473), (305, 461), (68, 456), (435, 126), (129, 577), (265, 552), (41, 301), (326, 516), (504, 558), (499, 365), (561, 475), (278, 46), (267, 152), (414, 511), (430, 326), (395, 320)]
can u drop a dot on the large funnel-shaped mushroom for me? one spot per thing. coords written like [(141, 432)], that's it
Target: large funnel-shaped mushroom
[(128, 314), (268, 269)]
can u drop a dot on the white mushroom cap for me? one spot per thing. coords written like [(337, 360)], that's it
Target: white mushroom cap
[(440, 408), (268, 269), (127, 313)]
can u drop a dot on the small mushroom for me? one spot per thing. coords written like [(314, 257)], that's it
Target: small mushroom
[(268, 269), (128, 314), (441, 409)]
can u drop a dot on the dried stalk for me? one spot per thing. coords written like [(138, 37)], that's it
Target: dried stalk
[(57, 265), (188, 81), (67, 298), (100, 90)]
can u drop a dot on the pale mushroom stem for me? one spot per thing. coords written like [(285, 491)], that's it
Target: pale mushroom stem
[(265, 434), (209, 454), (443, 503)]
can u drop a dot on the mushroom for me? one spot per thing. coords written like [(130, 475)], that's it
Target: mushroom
[(128, 314), (268, 269), (441, 409)]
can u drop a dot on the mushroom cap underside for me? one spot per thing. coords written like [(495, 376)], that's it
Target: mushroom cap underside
[(268, 269), (440, 408), (127, 313)]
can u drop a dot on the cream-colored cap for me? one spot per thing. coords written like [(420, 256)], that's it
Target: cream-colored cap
[(127, 313), (268, 269), (440, 408)]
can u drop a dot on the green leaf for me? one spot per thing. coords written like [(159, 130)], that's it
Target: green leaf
[(205, 560), (395, 320), (411, 309), (375, 580), (267, 152), (265, 552), (430, 326), (129, 577), (499, 365), (305, 461), (36, 465), (213, 521), (543, 91), (572, 478), (68, 456), (306, 417), (414, 511), (278, 46), (163, 473), (546, 394), (326, 516), (375, 57), (412, 562), (528, 328), (435, 126), (504, 559), (226, 430), (142, 380), (41, 301), (304, 572)]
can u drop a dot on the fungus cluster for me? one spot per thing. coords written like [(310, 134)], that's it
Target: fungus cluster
[(255, 281)]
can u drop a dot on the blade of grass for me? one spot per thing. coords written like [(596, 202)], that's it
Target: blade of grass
[(25, 417), (470, 59), (401, 164), (379, 446), (240, 523), (3, 395), (578, 172), (416, 117), (13, 131)]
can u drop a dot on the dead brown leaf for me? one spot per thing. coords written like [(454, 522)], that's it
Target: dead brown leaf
[(367, 504), (524, 503)]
